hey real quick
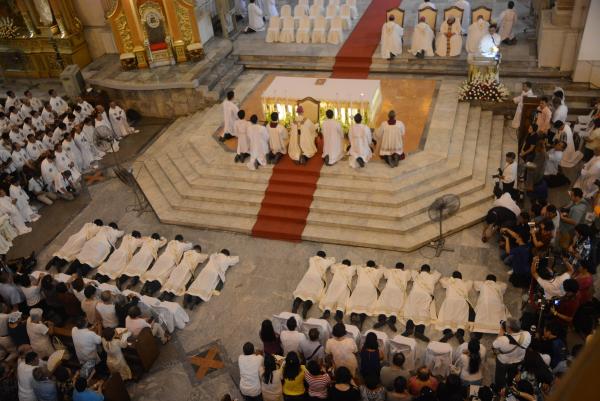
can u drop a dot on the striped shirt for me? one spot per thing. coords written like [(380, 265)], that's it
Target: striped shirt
[(317, 385)]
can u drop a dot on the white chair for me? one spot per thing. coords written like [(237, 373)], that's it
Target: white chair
[(334, 3), (335, 35), (332, 11), (353, 332), (273, 30), (382, 339), (318, 33), (353, 8), (315, 11), (321, 4), (304, 3), (345, 16), (303, 33), (406, 346), (287, 32), (438, 358), (280, 321), (286, 11), (320, 324), (299, 11)]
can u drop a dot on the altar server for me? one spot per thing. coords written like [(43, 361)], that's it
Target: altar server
[(240, 131), (181, 275), (490, 42), (360, 138), (311, 287), (419, 308), (8, 207), (466, 16), (156, 277), (258, 141), (142, 260), (506, 22), (448, 42), (302, 138), (390, 303), (525, 92), (210, 277), (422, 40), (117, 262), (454, 312), (96, 250), (278, 139), (477, 30), (21, 199), (230, 111), (256, 21), (69, 251), (333, 139), (490, 308), (390, 134), (118, 120), (57, 103), (391, 39), (364, 294), (338, 290)]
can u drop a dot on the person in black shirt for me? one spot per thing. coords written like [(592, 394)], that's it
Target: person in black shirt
[(344, 389)]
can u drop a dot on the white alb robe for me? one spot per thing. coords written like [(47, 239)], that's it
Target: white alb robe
[(588, 175), (360, 137), (17, 193), (89, 133), (48, 116), (278, 139), (230, 111), (34, 150), (142, 260), (167, 261), (302, 139), (97, 249), (208, 279), (454, 312), (364, 294), (72, 247), (312, 285), (7, 207), (516, 122), (419, 306), (117, 262), (38, 123), (86, 108), (448, 47), (87, 155), (477, 30), (490, 44), (64, 163), (258, 141), (490, 308), (466, 18), (255, 18), (333, 140), (422, 39), (571, 156), (184, 271), (58, 105), (391, 39), (240, 130), (391, 138), (73, 152), (506, 22), (338, 291), (118, 120), (392, 298)]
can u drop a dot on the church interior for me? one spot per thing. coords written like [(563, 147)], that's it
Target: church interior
[(293, 200)]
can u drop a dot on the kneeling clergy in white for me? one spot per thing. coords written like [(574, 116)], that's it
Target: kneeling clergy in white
[(258, 141), (147, 254), (490, 308), (240, 131), (338, 290), (256, 22), (22, 201), (391, 39), (168, 260), (448, 42), (7, 206), (390, 134), (96, 250), (184, 271), (419, 306), (72, 247), (208, 279), (364, 294), (278, 137), (360, 138), (333, 139), (454, 312), (302, 137), (422, 39), (117, 262)]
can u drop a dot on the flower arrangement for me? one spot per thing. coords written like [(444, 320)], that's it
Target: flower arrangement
[(8, 30), (483, 87)]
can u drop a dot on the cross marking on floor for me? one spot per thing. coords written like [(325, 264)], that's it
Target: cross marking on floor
[(207, 362), (97, 176)]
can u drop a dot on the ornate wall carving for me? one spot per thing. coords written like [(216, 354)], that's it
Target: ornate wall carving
[(123, 32), (185, 26)]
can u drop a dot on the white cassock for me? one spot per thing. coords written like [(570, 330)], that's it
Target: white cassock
[(19, 158), (391, 138), (506, 21), (147, 254), (419, 306), (6, 206), (333, 140), (240, 131), (167, 261), (258, 141), (422, 39), (560, 113), (63, 163), (34, 150), (391, 39), (278, 138), (338, 290), (48, 142), (48, 117), (117, 262), (73, 152), (35, 103), (312, 285), (38, 123), (490, 308), (17, 193), (86, 108), (208, 279), (516, 122), (360, 137), (490, 44), (448, 47), (118, 119), (184, 271), (72, 247), (454, 312), (97, 249), (364, 294), (87, 154), (255, 18), (477, 30), (588, 175), (571, 156), (89, 132), (230, 111), (392, 298), (466, 19), (302, 139), (58, 105)]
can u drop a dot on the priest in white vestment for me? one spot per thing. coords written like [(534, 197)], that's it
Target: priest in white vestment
[(360, 138), (181, 275), (209, 278), (390, 303), (454, 312), (364, 295), (256, 21), (477, 30), (302, 138), (589, 175), (311, 287), (391, 39), (490, 309), (86, 109), (518, 100), (64, 162), (230, 111), (58, 104), (571, 156), (419, 308), (390, 135), (142, 260), (490, 42), (159, 273), (448, 42), (278, 139), (422, 40), (96, 250), (506, 22), (118, 119), (117, 262), (240, 131), (333, 139), (8, 207), (87, 154), (466, 17), (258, 142), (338, 290), (17, 194), (69, 251), (73, 152)]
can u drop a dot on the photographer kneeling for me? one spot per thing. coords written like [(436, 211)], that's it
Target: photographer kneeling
[(509, 347)]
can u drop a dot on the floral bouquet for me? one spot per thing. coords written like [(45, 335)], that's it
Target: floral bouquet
[(483, 87), (8, 30)]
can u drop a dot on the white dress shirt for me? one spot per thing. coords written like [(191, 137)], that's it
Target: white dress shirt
[(250, 374), (86, 344)]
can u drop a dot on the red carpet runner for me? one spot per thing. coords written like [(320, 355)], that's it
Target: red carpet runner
[(288, 196)]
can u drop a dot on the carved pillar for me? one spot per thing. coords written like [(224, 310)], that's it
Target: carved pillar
[(27, 17), (58, 16), (135, 29), (176, 37)]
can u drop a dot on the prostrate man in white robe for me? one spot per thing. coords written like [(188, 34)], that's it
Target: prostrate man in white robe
[(311, 287), (182, 274), (141, 261), (211, 278), (391, 39), (360, 138), (302, 138), (96, 250), (57, 103), (240, 131), (7, 206), (230, 111), (364, 295), (278, 139), (422, 40), (118, 120), (338, 290), (448, 42), (506, 22), (419, 308), (518, 100), (390, 135), (466, 17), (490, 308), (391, 300), (477, 30), (333, 139), (117, 262), (69, 251), (490, 43), (258, 142), (454, 312), (256, 21), (158, 275)]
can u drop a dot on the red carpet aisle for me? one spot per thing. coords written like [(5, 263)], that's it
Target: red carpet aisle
[(354, 58)]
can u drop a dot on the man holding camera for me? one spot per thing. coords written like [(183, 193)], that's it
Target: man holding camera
[(509, 347), (571, 215)]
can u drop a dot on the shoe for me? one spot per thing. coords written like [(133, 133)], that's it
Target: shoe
[(392, 326), (256, 164), (326, 160), (360, 162), (445, 338), (407, 333), (422, 337), (237, 159), (325, 315), (379, 325)]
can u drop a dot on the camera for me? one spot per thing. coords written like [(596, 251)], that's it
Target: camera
[(497, 176)]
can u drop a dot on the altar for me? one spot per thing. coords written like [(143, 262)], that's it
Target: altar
[(345, 97)]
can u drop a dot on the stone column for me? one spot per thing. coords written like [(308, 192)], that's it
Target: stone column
[(28, 18)]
